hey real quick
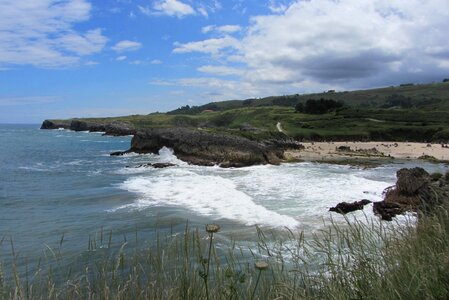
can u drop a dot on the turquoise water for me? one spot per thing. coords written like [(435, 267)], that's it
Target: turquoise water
[(56, 183)]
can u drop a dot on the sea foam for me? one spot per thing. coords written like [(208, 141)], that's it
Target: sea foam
[(207, 195)]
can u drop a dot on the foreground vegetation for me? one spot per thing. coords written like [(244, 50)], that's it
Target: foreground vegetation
[(360, 260), (406, 113)]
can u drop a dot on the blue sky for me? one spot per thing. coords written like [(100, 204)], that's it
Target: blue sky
[(85, 58)]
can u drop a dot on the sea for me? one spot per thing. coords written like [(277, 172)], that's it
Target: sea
[(62, 187)]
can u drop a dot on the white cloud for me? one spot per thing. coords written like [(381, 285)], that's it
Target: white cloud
[(156, 62), (41, 33), (121, 58), (173, 8), (203, 11), (279, 6), (220, 70), (225, 29), (180, 9), (126, 45), (91, 42), (210, 46), (144, 9), (326, 43)]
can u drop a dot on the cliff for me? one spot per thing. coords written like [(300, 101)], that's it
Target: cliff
[(115, 128), (207, 149)]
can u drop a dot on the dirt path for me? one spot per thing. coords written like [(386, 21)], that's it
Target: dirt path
[(279, 127)]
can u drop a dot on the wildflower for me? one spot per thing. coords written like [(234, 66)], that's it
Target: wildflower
[(261, 265), (212, 228)]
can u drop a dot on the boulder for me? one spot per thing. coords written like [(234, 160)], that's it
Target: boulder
[(414, 191), (410, 181), (387, 210)]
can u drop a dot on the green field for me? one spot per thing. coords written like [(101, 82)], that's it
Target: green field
[(405, 113)]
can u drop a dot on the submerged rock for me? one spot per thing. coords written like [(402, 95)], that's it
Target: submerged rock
[(154, 165), (345, 207)]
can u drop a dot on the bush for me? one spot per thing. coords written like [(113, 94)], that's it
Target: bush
[(317, 107)]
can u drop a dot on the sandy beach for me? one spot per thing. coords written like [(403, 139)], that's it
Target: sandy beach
[(328, 151)]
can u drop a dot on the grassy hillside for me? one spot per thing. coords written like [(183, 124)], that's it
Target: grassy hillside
[(412, 113)]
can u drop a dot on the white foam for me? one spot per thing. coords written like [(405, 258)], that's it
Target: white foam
[(206, 195)]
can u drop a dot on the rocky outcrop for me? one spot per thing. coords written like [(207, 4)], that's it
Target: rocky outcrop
[(49, 124), (116, 128), (207, 149), (414, 191), (345, 207)]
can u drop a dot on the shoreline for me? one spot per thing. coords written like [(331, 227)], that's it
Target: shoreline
[(335, 152)]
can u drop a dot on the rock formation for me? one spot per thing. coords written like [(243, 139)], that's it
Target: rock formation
[(116, 128), (345, 207), (414, 191), (205, 148)]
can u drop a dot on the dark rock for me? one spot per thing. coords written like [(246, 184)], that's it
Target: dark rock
[(345, 207), (344, 148), (410, 181), (155, 165), (49, 124), (116, 128), (200, 147), (118, 153), (78, 125), (414, 191), (162, 165), (387, 210), (119, 128)]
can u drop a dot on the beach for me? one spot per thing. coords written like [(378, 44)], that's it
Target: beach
[(329, 151)]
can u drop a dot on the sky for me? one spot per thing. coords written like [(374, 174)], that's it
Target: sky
[(98, 58)]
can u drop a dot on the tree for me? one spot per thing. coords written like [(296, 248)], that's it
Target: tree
[(299, 107)]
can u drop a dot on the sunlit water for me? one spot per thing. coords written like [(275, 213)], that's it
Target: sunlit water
[(56, 183)]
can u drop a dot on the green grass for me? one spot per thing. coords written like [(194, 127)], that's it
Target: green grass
[(359, 260), (363, 118)]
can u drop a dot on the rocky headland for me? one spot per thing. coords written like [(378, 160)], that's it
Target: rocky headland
[(115, 128), (205, 148), (195, 146)]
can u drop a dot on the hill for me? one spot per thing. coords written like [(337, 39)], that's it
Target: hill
[(405, 113)]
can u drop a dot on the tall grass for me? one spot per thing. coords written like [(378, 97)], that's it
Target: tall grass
[(360, 260)]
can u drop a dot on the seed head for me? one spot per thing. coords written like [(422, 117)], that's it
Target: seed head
[(212, 228), (261, 265)]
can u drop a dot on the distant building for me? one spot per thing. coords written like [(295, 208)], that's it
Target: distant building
[(207, 111)]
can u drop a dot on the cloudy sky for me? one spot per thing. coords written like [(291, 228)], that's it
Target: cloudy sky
[(84, 58)]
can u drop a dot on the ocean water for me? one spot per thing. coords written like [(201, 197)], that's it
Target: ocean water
[(58, 184)]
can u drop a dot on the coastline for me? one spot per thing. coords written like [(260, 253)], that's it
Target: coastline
[(356, 151)]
